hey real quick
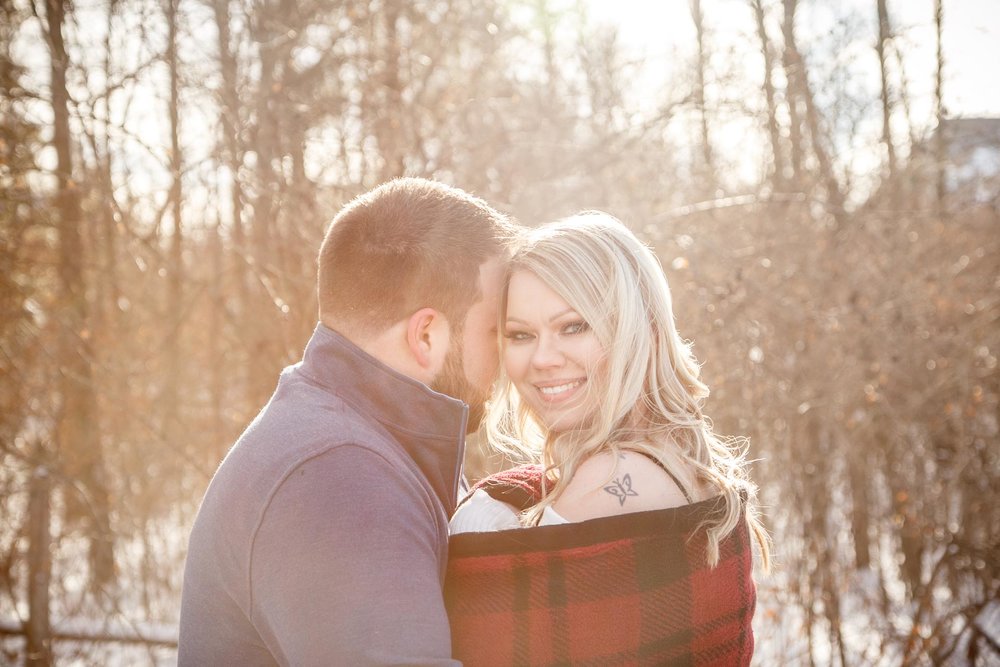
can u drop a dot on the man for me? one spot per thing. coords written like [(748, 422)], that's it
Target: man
[(322, 538)]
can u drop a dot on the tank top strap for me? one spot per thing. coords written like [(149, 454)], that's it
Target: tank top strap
[(680, 486)]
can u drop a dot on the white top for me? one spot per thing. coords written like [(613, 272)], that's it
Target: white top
[(482, 513)]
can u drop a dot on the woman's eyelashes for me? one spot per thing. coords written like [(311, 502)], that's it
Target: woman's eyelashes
[(516, 336), (569, 329)]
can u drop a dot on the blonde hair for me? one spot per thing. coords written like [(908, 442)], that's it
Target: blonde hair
[(649, 398)]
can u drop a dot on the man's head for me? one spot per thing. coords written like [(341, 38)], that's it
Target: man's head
[(411, 272)]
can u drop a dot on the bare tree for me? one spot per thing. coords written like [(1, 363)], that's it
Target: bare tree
[(80, 452), (939, 109), (884, 37), (799, 89), (175, 270), (773, 132), (701, 66), (792, 66)]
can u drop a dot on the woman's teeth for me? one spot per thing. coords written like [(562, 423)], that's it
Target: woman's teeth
[(558, 389)]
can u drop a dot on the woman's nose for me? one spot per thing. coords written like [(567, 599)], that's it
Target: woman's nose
[(547, 353)]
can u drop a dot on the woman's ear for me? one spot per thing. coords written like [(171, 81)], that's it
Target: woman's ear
[(428, 337)]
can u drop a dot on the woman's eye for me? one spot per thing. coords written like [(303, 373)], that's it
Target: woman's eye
[(576, 328), (517, 336)]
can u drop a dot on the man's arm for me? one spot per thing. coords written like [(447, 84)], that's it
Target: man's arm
[(345, 567)]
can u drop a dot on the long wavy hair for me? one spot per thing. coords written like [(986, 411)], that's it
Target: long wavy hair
[(648, 396)]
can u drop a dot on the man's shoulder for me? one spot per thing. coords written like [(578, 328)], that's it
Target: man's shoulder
[(272, 449), (308, 461), (311, 411), (299, 424), (302, 420)]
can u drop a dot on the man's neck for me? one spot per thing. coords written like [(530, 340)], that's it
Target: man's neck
[(388, 345)]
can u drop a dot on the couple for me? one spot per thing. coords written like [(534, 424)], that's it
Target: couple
[(323, 537)]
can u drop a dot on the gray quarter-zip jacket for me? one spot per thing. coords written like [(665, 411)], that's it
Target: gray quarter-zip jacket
[(323, 536)]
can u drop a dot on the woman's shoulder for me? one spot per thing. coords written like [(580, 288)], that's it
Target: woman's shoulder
[(609, 484)]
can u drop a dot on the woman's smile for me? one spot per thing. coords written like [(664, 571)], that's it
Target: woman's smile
[(559, 390)]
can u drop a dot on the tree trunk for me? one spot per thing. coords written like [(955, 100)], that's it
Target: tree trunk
[(175, 271), (859, 469), (904, 474), (391, 141), (216, 353), (799, 82), (77, 435), (940, 113), (778, 161), (708, 163), (884, 36), (791, 67), (265, 140), (110, 328), (232, 149), (39, 631), (263, 229), (230, 114)]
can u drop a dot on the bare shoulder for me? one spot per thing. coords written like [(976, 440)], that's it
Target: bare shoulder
[(608, 485)]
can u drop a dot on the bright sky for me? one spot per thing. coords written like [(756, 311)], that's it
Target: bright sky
[(971, 41), (660, 35)]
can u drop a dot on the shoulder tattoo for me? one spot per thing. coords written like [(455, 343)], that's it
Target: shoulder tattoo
[(621, 488)]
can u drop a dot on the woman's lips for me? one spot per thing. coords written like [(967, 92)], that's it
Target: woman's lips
[(557, 391)]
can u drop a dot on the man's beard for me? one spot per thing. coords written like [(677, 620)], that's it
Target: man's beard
[(452, 382)]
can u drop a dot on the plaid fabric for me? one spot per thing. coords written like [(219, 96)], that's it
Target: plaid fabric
[(520, 486), (625, 590)]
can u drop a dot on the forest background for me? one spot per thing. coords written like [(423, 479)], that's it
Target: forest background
[(828, 225)]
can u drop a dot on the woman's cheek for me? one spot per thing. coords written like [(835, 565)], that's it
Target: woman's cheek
[(510, 363)]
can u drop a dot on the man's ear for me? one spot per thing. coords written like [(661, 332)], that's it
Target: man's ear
[(428, 338)]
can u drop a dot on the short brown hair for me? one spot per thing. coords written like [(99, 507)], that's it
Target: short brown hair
[(408, 244)]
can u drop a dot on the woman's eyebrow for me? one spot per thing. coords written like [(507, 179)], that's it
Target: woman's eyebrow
[(560, 314), (551, 319)]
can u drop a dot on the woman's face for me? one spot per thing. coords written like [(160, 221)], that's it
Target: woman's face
[(550, 354)]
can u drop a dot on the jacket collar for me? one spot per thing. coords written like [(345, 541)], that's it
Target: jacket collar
[(429, 425)]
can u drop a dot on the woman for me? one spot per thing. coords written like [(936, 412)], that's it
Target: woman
[(640, 516)]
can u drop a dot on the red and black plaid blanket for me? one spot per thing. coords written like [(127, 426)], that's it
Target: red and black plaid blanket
[(625, 590)]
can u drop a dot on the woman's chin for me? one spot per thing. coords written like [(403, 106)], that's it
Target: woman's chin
[(563, 422)]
